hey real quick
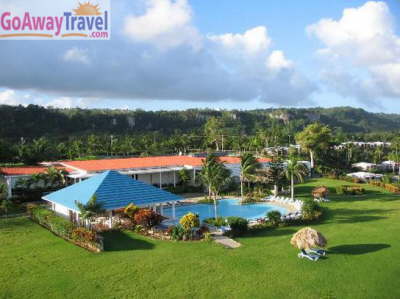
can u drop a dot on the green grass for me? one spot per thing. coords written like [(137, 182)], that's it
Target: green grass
[(363, 262)]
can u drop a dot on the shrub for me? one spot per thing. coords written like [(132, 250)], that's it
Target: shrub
[(219, 221), (350, 190), (177, 233), (60, 226), (82, 234), (126, 224), (207, 237), (189, 221), (238, 225), (274, 217), (131, 210), (139, 228), (147, 218), (339, 190), (64, 228), (392, 188), (207, 200), (311, 210), (101, 227)]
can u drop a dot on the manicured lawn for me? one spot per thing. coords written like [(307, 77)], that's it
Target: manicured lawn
[(364, 242)]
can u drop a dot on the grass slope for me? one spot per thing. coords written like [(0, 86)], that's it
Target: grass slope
[(362, 263)]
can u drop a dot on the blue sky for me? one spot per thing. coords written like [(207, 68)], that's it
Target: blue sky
[(179, 54)]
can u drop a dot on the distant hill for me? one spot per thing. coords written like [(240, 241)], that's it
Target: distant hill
[(35, 121)]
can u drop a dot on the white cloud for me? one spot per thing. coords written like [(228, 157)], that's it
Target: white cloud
[(362, 51), (68, 102), (165, 23), (253, 41), (229, 67), (9, 97), (278, 61), (77, 55)]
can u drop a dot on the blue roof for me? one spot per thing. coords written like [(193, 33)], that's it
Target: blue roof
[(113, 190)]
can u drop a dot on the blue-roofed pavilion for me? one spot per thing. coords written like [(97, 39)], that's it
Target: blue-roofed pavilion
[(113, 190)]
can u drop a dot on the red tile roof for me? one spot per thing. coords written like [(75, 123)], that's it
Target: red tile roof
[(145, 162), (126, 163), (25, 170)]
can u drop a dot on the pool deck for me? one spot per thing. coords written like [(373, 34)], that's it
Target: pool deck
[(289, 208), (195, 197)]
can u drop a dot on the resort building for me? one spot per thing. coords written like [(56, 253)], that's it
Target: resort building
[(365, 176), (158, 171), (363, 144), (365, 166)]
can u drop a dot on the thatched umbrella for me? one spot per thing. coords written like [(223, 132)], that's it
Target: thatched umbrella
[(320, 192), (308, 238)]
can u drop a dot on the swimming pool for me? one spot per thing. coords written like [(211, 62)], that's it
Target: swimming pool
[(226, 208)]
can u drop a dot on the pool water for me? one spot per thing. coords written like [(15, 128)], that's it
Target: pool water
[(226, 208)]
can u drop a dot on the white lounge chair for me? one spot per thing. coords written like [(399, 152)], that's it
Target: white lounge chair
[(317, 251), (311, 257)]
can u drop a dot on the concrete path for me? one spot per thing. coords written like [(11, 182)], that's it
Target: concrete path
[(226, 242)]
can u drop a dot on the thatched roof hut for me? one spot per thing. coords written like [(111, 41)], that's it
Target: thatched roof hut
[(320, 192), (307, 238)]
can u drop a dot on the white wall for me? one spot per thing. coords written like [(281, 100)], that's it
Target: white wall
[(59, 209), (154, 178)]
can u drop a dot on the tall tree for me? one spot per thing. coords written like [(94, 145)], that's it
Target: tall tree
[(293, 170), (213, 130), (378, 153), (214, 175), (313, 139), (248, 167), (271, 175)]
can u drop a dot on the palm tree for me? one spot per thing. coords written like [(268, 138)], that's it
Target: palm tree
[(314, 138), (89, 210), (55, 177), (214, 175), (395, 157), (248, 167), (293, 170), (271, 175), (378, 153)]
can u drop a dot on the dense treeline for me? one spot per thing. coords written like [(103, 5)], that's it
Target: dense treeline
[(35, 121), (31, 134)]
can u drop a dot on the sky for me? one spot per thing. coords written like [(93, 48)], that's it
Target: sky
[(225, 54)]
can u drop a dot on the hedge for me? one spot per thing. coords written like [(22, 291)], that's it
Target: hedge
[(389, 187), (65, 229)]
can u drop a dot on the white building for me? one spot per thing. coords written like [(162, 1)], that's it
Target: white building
[(159, 171)]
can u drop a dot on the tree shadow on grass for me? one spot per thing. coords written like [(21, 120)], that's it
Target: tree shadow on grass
[(121, 241), (357, 249), (356, 215)]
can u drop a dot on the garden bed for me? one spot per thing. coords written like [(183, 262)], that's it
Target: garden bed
[(63, 228)]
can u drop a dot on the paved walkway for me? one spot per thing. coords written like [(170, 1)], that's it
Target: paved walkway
[(225, 241)]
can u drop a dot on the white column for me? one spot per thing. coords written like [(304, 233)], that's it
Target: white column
[(173, 210), (174, 179), (162, 210), (160, 179), (194, 176), (9, 187), (110, 219)]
